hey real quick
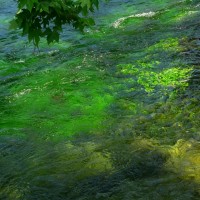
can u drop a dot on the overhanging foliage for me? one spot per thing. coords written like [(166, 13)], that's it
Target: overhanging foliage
[(42, 18)]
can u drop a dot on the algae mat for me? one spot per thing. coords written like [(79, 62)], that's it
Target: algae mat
[(109, 114)]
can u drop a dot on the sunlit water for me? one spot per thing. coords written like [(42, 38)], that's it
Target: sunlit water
[(110, 114)]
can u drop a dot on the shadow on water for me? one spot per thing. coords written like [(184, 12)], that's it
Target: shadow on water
[(121, 168), (113, 116), (141, 172)]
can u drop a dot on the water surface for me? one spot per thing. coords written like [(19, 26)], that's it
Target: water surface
[(109, 114)]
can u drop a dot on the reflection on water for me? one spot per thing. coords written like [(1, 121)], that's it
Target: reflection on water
[(110, 114), (118, 22)]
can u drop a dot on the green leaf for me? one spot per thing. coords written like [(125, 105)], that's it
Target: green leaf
[(30, 36), (45, 6), (22, 3), (36, 39), (52, 36), (96, 3), (86, 3), (13, 24), (90, 22), (85, 11)]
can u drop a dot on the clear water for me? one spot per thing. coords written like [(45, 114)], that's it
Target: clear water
[(109, 114)]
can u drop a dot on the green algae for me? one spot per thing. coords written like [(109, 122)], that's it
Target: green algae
[(80, 93), (169, 45), (113, 117), (172, 77)]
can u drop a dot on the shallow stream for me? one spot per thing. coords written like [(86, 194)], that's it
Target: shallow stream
[(111, 114)]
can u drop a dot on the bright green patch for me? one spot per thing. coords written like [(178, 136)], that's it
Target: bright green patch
[(62, 101), (150, 79)]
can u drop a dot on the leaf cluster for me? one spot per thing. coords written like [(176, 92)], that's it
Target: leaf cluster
[(45, 18)]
